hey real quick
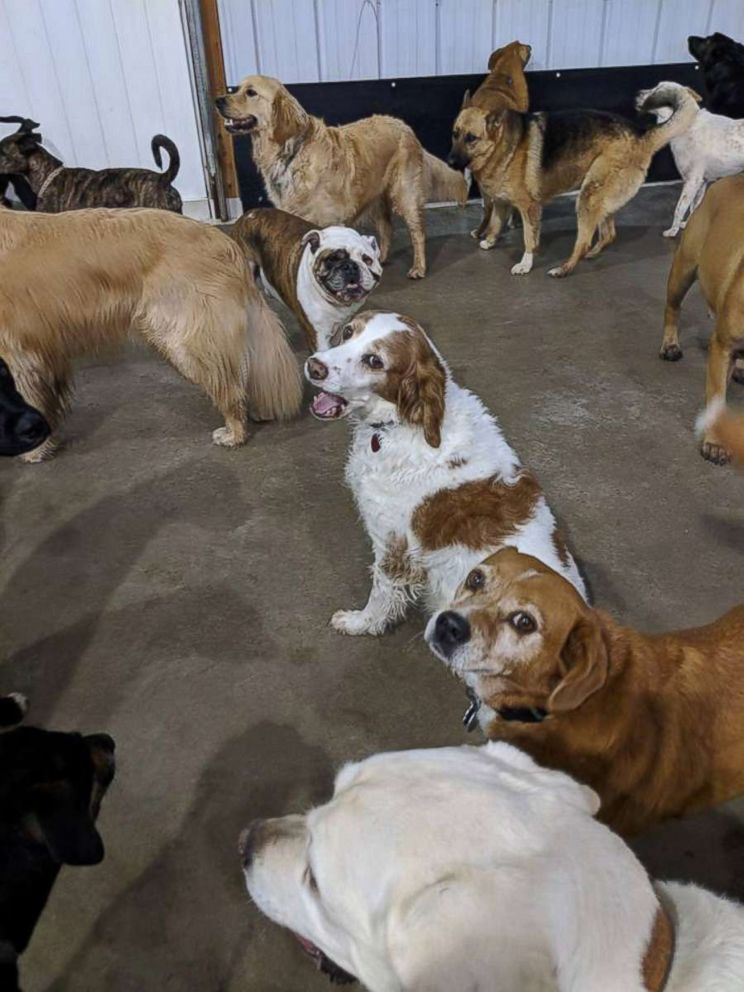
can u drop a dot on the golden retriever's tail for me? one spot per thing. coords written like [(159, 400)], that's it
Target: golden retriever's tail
[(274, 384), (727, 428), (681, 100), (442, 184)]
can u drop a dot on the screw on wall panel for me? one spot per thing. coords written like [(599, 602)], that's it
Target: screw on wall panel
[(393, 84), (557, 75)]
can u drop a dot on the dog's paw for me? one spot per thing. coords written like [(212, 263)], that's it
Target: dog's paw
[(476, 234), (521, 268), (559, 272), (671, 232), (487, 243), (354, 623), (416, 272), (43, 453), (715, 453), (671, 353), (225, 438)]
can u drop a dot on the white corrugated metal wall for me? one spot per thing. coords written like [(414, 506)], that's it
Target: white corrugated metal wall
[(302, 41), (102, 77)]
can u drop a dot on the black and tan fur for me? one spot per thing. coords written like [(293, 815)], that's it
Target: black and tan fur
[(528, 159), (57, 188)]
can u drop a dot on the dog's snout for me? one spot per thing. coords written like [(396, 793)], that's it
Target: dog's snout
[(456, 160), (450, 631), (316, 369), (220, 103), (247, 842), (349, 267), (31, 427)]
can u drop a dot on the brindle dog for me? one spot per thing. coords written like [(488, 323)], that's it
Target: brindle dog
[(58, 188)]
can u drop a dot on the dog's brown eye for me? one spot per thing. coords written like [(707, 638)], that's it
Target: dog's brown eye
[(469, 138), (250, 93), (347, 332), (366, 259), (522, 622), (476, 580), (372, 361)]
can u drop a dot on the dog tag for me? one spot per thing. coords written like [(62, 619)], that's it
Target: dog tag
[(375, 443)]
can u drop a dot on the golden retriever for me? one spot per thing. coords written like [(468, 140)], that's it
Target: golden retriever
[(374, 167), (72, 283)]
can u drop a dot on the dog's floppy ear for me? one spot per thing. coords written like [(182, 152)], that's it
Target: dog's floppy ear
[(466, 100), (287, 117), (494, 57), (28, 141), (312, 238), (421, 391), (66, 828), (372, 242), (584, 663), (694, 94)]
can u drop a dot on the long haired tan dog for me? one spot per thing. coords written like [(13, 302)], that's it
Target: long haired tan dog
[(711, 250), (504, 88), (75, 282), (528, 159), (374, 167), (653, 722)]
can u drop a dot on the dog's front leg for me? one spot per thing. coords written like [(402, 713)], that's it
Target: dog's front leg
[(531, 225), (388, 600), (686, 198)]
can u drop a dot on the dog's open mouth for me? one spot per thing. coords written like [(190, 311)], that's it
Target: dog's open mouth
[(323, 963), (351, 293), (328, 406), (240, 125)]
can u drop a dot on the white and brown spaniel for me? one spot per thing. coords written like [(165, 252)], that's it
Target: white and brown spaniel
[(437, 485)]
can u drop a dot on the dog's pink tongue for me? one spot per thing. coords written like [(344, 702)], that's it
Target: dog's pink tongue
[(325, 404)]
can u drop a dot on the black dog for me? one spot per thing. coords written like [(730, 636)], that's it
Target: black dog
[(20, 185), (57, 188), (51, 787), (722, 61), (22, 428)]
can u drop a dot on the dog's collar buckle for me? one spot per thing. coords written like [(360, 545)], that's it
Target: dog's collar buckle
[(470, 716)]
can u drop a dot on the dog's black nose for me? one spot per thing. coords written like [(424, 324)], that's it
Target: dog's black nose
[(220, 103), (349, 268), (247, 843), (316, 369), (31, 428), (450, 631)]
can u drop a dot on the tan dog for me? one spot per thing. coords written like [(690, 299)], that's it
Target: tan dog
[(335, 175), (528, 159), (75, 282), (504, 88), (653, 723), (711, 250)]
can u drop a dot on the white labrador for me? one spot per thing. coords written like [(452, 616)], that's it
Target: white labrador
[(475, 870)]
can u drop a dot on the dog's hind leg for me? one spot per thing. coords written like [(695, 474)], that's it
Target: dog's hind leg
[(606, 235), (681, 276), (384, 227), (45, 383), (688, 196)]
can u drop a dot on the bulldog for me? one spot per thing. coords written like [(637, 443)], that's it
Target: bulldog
[(323, 275)]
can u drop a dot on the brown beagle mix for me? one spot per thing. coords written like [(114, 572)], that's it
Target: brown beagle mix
[(654, 723)]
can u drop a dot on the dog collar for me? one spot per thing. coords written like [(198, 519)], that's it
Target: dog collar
[(659, 956), (511, 714), (49, 179)]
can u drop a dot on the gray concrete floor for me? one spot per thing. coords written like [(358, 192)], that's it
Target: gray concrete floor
[(177, 595)]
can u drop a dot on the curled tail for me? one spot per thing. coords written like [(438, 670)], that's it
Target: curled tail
[(442, 184), (158, 142), (725, 427), (274, 383), (684, 106)]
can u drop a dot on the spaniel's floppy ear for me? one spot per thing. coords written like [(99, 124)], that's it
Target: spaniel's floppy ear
[(466, 101), (421, 392), (312, 238), (584, 663), (287, 117)]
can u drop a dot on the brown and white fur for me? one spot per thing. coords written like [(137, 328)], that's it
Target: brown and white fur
[(323, 275), (653, 722), (372, 168), (711, 251), (505, 87), (75, 282), (436, 483), (528, 159)]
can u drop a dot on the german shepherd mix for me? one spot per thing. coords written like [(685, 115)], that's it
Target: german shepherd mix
[(505, 87), (372, 168), (528, 159)]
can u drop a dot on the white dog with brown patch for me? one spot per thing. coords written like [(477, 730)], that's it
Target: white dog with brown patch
[(460, 868), (437, 484)]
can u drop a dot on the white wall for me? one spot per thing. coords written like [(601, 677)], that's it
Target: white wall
[(312, 40), (102, 77)]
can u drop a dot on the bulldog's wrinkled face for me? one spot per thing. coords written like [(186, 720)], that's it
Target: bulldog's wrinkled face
[(474, 136), (382, 367), (345, 264), (405, 869), (520, 635)]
